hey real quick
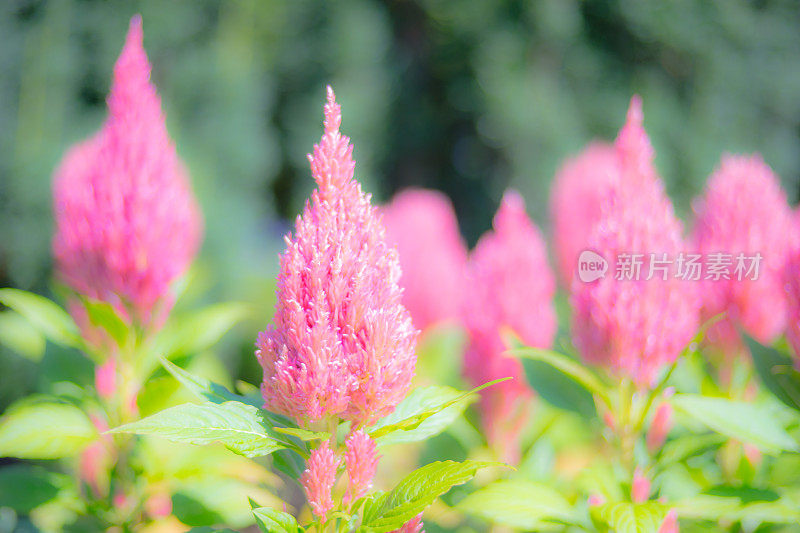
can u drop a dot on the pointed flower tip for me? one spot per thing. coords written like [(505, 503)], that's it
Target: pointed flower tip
[(333, 112), (635, 114), (512, 210), (135, 37)]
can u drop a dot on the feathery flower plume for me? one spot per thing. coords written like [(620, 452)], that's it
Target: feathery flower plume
[(640, 487), (659, 427), (670, 523), (414, 525), (744, 211), (341, 343), (318, 479), (423, 226), (127, 223), (580, 186), (637, 326), (361, 461), (509, 285), (105, 378), (792, 283)]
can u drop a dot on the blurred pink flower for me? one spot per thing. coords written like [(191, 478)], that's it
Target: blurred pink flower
[(509, 286), (595, 500), (96, 459), (659, 427), (792, 284), (635, 327), (412, 526), (423, 226), (744, 211), (579, 188), (158, 505), (361, 460), (670, 523), (127, 224), (105, 378), (319, 478), (640, 487), (341, 344)]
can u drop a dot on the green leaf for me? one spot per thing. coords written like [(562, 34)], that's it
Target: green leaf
[(18, 334), (103, 314), (519, 504), (271, 521), (44, 430), (47, 317), (303, 434), (25, 487), (203, 388), (747, 422), (419, 489), (559, 389), (629, 517), (416, 419), (197, 331), (689, 445), (421, 401), (567, 366), (240, 427), (777, 372)]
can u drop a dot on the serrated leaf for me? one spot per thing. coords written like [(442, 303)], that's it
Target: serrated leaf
[(629, 517), (420, 401), (303, 434), (388, 511), (747, 422), (44, 430), (103, 315), (271, 521), (777, 372), (240, 427), (416, 419), (518, 503), (25, 487), (573, 369), (17, 333), (47, 317)]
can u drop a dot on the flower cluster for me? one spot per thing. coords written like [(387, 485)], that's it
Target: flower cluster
[(127, 224), (341, 343)]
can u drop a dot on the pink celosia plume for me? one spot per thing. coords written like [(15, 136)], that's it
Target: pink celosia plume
[(659, 427), (670, 523), (361, 461), (580, 186), (744, 211), (423, 226), (105, 378), (509, 286), (635, 326), (341, 343), (640, 487), (414, 525), (792, 285), (127, 224), (318, 479)]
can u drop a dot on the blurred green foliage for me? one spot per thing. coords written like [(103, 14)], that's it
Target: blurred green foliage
[(469, 97)]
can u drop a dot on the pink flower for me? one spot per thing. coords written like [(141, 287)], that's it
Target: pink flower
[(412, 526), (97, 459), (127, 224), (580, 186), (158, 505), (596, 500), (509, 285), (792, 284), (423, 226), (640, 488), (670, 523), (105, 378), (659, 427), (319, 478), (361, 460), (635, 327), (744, 211), (341, 344)]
